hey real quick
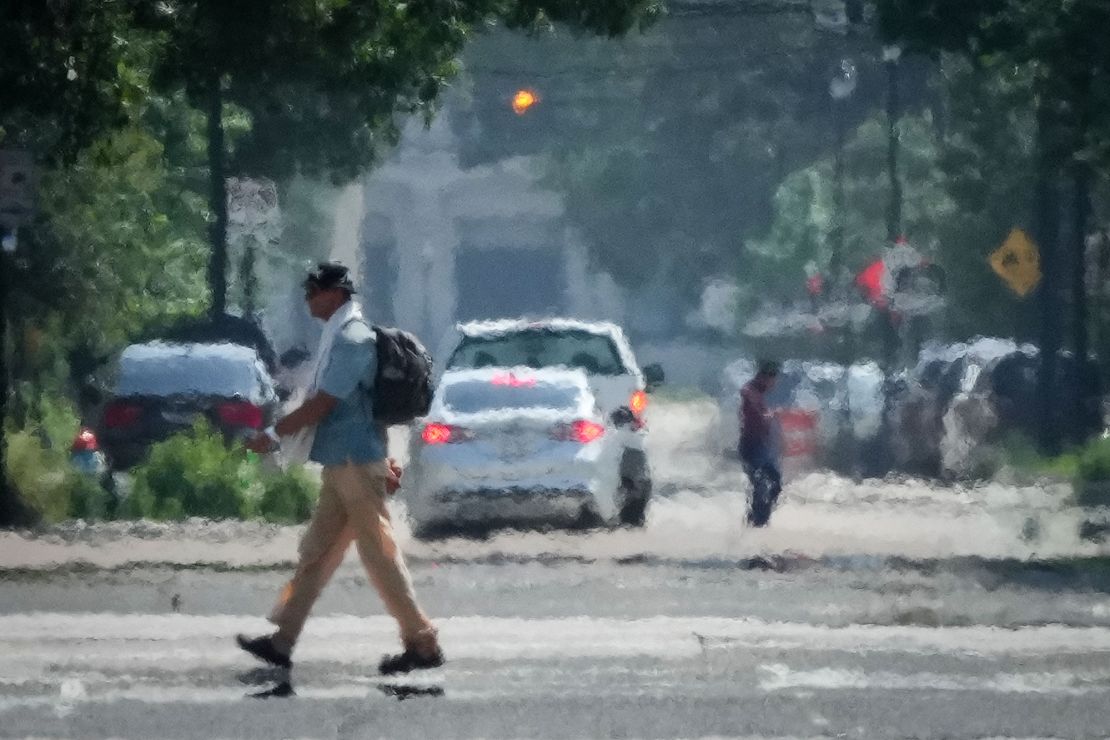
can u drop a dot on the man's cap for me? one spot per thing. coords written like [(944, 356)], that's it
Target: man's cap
[(330, 275)]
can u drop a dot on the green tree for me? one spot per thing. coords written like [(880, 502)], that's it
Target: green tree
[(987, 157), (1063, 48), (668, 146), (69, 75), (319, 81), (801, 232), (60, 73), (146, 105)]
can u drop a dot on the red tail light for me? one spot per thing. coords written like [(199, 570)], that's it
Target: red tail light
[(638, 402), (119, 414), (436, 434), (586, 431), (240, 414), (583, 431)]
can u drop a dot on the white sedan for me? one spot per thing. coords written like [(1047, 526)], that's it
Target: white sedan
[(515, 446)]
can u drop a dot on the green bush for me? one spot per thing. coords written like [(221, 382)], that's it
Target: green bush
[(1019, 451), (288, 498), (194, 474), (45, 481), (39, 474), (191, 474), (1094, 461), (89, 500), (59, 420)]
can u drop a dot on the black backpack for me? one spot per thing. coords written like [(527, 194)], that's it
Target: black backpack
[(403, 385)]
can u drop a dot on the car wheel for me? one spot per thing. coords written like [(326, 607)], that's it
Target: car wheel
[(634, 497), (428, 532)]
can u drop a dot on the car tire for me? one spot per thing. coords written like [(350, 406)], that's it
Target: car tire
[(587, 520), (429, 532), (634, 498)]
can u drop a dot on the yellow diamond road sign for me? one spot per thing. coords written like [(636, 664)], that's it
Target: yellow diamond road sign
[(1018, 262)]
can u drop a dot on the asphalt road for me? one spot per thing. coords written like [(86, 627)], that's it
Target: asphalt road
[(867, 610)]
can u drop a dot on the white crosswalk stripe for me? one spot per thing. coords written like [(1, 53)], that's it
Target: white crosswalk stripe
[(78, 658)]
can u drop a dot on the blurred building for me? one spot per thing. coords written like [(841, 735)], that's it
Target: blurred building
[(441, 243)]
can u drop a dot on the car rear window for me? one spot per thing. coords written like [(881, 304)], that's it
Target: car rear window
[(185, 375), (471, 397), (594, 353)]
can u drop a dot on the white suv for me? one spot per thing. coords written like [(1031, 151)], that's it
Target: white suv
[(603, 353)]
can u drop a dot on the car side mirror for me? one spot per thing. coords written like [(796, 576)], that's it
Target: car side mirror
[(622, 417), (653, 375)]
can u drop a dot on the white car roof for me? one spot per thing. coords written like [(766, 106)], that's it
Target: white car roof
[(501, 326), (600, 328), (171, 350)]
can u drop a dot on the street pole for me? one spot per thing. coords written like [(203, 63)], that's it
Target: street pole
[(7, 496), (841, 87), (17, 178), (12, 512), (1047, 231), (217, 200), (838, 199), (891, 55)]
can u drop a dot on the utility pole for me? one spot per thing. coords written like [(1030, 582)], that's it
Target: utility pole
[(16, 208), (9, 512), (217, 201), (891, 55), (1047, 231), (841, 86)]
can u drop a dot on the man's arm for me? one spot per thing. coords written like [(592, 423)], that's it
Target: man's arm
[(310, 413)]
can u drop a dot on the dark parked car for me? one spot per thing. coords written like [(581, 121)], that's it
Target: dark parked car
[(163, 388)]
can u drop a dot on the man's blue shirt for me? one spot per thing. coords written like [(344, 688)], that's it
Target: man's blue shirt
[(348, 433)]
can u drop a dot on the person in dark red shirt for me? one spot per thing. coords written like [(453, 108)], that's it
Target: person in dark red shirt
[(758, 448)]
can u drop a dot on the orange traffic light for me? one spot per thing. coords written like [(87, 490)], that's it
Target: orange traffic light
[(523, 100)]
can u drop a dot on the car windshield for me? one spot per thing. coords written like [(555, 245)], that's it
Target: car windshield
[(182, 375), (594, 353), (469, 397)]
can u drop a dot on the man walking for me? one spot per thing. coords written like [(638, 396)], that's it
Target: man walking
[(758, 449), (335, 424)]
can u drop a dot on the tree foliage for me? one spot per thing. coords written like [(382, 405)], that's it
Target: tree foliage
[(63, 73), (668, 146), (1060, 43), (801, 232), (137, 112), (320, 81)]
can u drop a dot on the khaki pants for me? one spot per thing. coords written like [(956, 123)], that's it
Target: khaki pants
[(352, 506)]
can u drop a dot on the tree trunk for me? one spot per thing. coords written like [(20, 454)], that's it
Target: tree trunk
[(1046, 230), (217, 199), (1080, 222), (1081, 216), (9, 504), (13, 512), (894, 208), (838, 203)]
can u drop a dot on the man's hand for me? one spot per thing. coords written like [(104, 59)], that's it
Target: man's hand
[(393, 477), (260, 443)]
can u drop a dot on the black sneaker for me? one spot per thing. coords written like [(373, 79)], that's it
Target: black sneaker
[(408, 661), (263, 648)]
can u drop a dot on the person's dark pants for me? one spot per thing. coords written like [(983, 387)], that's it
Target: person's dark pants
[(764, 473)]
